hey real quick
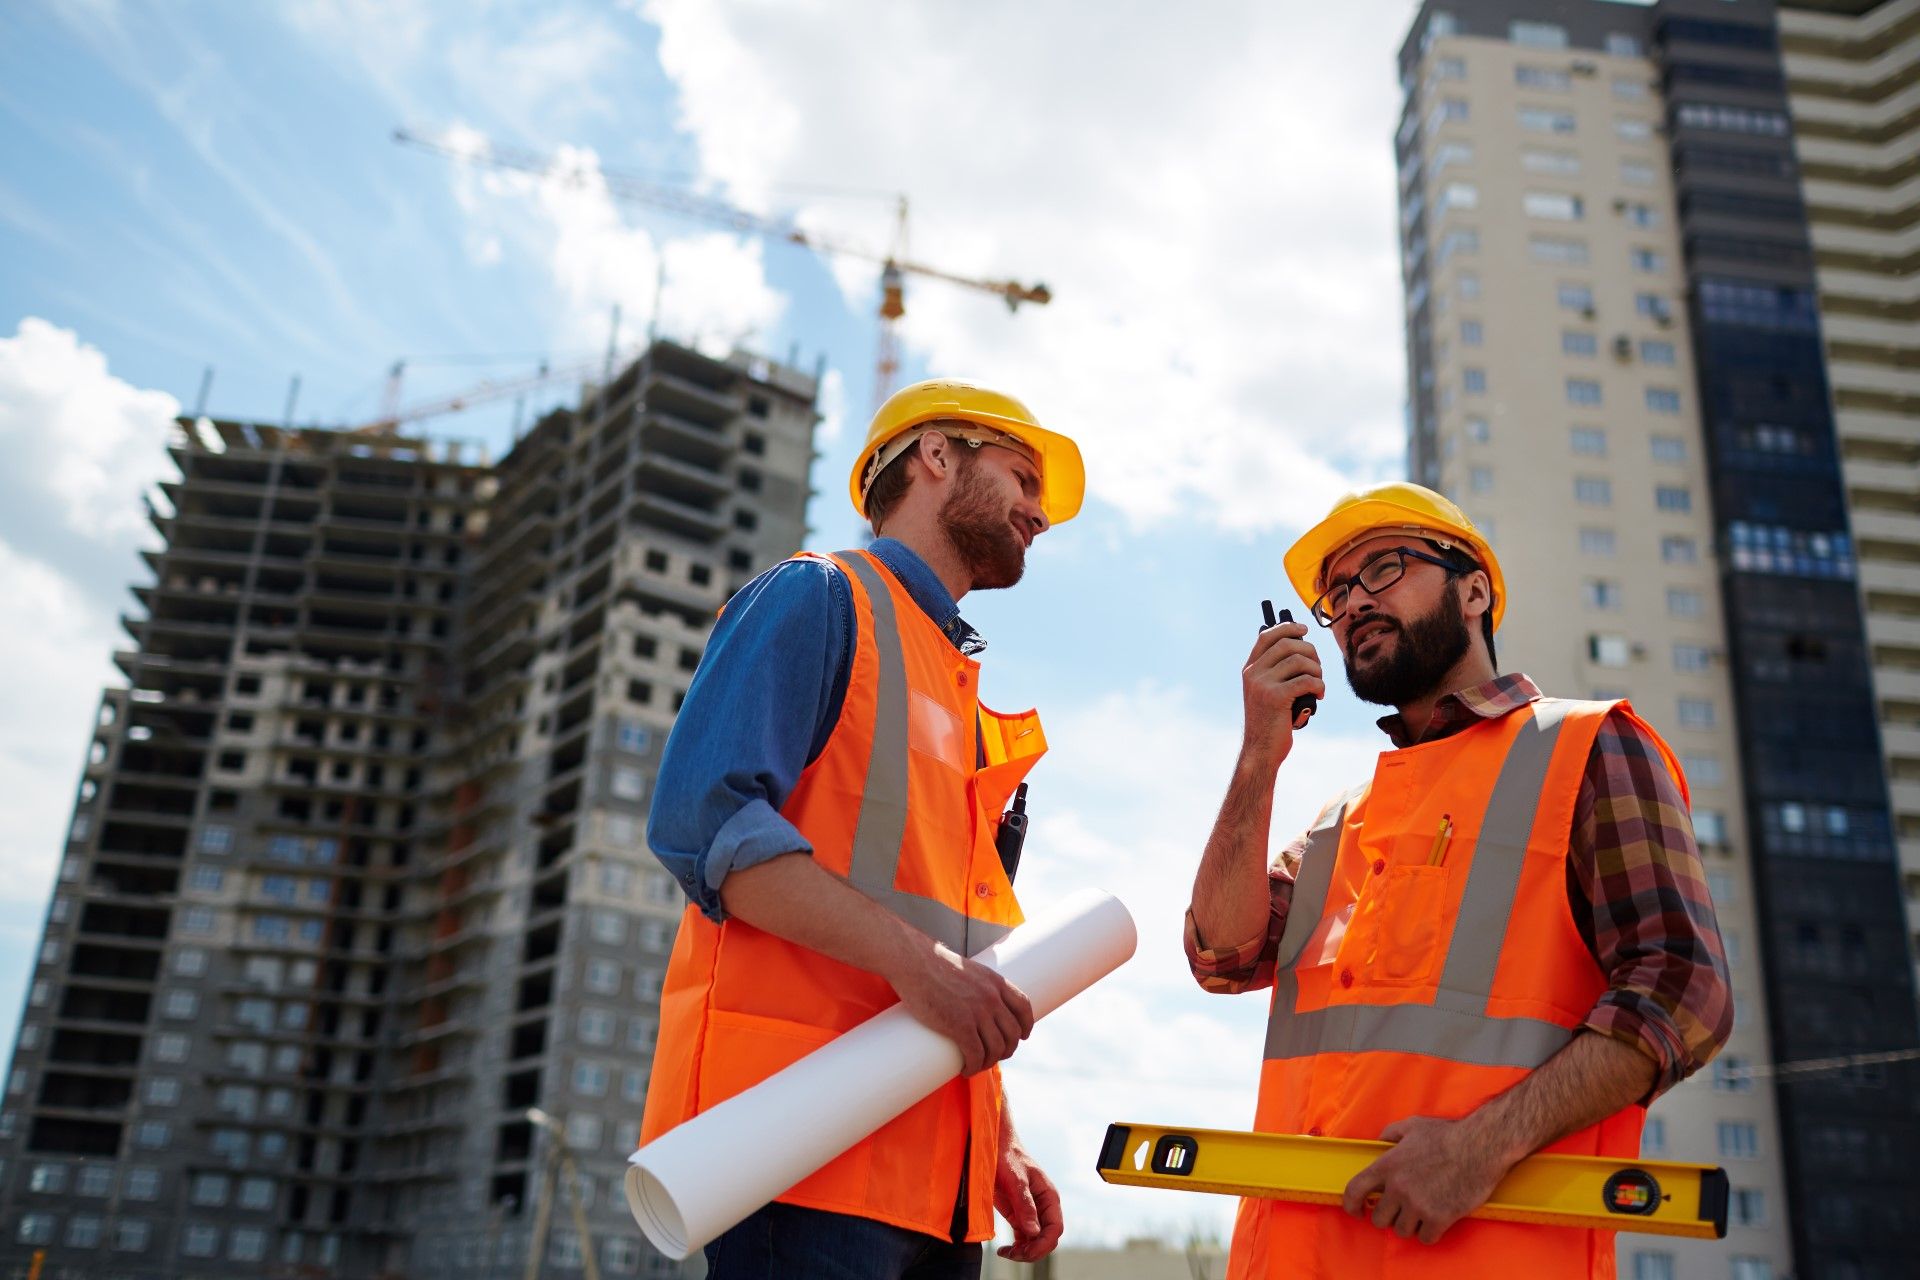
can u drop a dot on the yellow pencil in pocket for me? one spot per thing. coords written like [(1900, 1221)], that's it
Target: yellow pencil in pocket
[(1437, 856)]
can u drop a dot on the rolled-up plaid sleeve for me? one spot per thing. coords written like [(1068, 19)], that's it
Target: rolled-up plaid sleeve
[(1639, 894), (1248, 966)]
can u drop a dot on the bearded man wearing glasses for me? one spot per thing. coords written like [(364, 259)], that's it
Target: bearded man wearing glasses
[(1500, 943)]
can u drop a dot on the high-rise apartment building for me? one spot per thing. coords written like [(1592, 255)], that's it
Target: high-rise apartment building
[(1615, 363), (356, 919), (1853, 76)]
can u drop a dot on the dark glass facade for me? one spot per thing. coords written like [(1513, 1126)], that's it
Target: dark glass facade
[(1837, 972)]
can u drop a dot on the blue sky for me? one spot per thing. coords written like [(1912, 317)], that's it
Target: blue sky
[(1208, 192)]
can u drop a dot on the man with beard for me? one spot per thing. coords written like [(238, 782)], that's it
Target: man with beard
[(828, 801), (1499, 944)]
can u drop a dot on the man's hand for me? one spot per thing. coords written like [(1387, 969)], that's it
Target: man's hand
[(968, 1003), (1027, 1199), (1437, 1173), (1281, 668)]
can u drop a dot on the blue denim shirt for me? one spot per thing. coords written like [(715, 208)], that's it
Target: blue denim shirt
[(760, 709)]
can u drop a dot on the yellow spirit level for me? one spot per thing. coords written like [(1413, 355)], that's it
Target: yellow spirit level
[(1562, 1191)]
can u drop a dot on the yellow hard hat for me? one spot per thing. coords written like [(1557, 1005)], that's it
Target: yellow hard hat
[(1389, 508), (1063, 477)]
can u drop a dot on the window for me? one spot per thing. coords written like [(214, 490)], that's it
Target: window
[(627, 783), (623, 1256), (1710, 828), (1647, 260), (1649, 1264), (1702, 115), (1730, 1074), (1669, 497), (197, 920), (1750, 1268), (1653, 1138), (596, 1026), (36, 1228), (616, 878), (1701, 770), (247, 1244), (94, 1180), (1575, 297), (83, 1231), (609, 927), (1560, 163), (1634, 173), (1601, 593), (1661, 400), (1691, 657), (590, 1079), (1541, 120), (1739, 1140), (1596, 542), (1457, 195), (142, 1184), (1462, 240), (1468, 287), (1474, 381), (1480, 480), (1537, 35), (1628, 129), (1593, 491), (216, 839), (633, 1085), (1450, 69), (230, 1142), (641, 1033), (153, 1134), (256, 1193), (1669, 449), (1621, 45), (603, 976), (1447, 111), (206, 879), (1696, 713), (583, 1132), (1478, 430), (1628, 89), (208, 1189), (201, 1241), (1590, 442), (48, 1178), (1609, 651), (1471, 334), (131, 1235), (1583, 391), (1550, 79), (162, 1091), (1652, 352), (1575, 343), (1553, 206), (1641, 215), (1571, 253)]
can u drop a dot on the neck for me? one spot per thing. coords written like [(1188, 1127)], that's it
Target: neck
[(925, 539), (1472, 670)]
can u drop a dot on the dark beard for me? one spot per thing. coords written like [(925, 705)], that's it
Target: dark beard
[(1429, 648), (981, 529)]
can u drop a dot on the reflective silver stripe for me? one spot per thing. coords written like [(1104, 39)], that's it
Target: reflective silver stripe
[(882, 826), (1416, 1028), (1310, 885), (1486, 905), (1455, 1026)]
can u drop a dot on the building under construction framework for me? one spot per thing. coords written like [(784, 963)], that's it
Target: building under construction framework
[(357, 884)]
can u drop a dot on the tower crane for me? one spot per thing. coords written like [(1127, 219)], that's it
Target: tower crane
[(895, 265)]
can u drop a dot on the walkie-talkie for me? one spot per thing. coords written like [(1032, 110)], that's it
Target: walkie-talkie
[(1306, 703), (1013, 833)]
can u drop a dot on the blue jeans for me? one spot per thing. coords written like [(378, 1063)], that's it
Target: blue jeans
[(787, 1242)]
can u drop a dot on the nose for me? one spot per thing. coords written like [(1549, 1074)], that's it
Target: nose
[(1036, 517)]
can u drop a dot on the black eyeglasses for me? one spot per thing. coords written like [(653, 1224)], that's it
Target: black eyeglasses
[(1376, 575)]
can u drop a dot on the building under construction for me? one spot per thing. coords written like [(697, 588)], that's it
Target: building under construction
[(356, 924)]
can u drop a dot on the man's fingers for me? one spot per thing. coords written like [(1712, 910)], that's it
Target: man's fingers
[(1386, 1209), (1364, 1184), (1396, 1131), (1047, 1197), (1022, 1008), (1430, 1232)]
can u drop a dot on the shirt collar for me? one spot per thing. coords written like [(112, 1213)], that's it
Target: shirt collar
[(931, 594), (1464, 707)]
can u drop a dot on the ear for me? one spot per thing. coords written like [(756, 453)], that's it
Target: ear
[(1478, 594), (934, 452)]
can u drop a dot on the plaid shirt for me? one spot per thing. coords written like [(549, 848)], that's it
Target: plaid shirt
[(1634, 884)]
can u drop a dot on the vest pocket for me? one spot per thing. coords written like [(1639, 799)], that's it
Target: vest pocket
[(1412, 905)]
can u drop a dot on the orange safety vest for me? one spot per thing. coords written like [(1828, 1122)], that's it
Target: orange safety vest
[(1406, 988), (900, 804)]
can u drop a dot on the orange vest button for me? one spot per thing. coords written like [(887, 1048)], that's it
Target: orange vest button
[(983, 890), (1379, 865), (1346, 977)]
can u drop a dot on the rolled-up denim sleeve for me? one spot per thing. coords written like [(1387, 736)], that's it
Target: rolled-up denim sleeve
[(760, 706)]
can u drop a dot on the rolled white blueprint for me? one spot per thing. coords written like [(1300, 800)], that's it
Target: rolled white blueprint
[(695, 1181)]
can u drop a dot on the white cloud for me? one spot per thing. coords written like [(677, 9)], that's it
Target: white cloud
[(81, 446), (77, 435), (1210, 196), (1124, 802)]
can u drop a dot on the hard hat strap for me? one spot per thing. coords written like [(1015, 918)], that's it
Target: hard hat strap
[(972, 434)]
